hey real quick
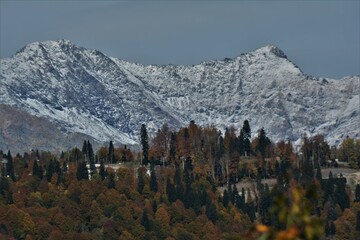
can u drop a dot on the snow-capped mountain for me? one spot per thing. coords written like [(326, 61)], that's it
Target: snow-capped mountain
[(84, 91)]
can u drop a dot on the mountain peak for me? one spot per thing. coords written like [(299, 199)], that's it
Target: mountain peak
[(50, 44), (272, 50)]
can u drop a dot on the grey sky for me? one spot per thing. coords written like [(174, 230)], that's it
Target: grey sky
[(321, 37)]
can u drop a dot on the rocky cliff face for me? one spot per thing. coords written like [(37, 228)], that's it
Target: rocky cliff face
[(84, 91)]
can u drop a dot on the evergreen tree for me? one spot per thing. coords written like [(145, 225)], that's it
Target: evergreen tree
[(49, 170), (263, 143), (172, 148), (35, 170), (10, 166), (241, 143), (145, 144), (111, 155), (82, 171), (141, 183), (357, 193), (153, 180), (154, 206), (85, 148), (41, 172), (58, 171), (332, 228), (226, 199), (340, 195), (234, 195), (111, 183), (358, 221), (170, 190), (91, 158), (64, 166), (211, 212), (246, 137), (145, 222), (102, 171), (327, 229)]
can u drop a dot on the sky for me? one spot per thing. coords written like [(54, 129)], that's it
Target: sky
[(321, 37)]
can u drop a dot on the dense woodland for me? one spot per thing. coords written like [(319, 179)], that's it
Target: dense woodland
[(194, 183)]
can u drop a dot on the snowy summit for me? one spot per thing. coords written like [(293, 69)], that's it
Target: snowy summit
[(83, 91)]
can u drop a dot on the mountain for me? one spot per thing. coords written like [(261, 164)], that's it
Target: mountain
[(83, 91)]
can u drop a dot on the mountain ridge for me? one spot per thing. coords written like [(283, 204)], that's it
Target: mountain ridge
[(84, 91)]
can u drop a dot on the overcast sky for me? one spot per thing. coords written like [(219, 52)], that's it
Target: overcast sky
[(321, 37)]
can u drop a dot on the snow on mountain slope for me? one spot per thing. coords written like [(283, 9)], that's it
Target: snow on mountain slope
[(84, 91)]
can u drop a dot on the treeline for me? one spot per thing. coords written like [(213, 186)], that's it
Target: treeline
[(185, 184)]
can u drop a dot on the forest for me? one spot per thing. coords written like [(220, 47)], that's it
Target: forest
[(191, 183)]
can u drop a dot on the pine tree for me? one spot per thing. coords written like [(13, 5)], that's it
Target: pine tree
[(64, 166), (141, 183), (241, 143), (357, 193), (58, 171), (263, 143), (85, 148), (153, 180), (154, 206), (49, 170), (358, 221), (332, 228), (82, 171), (111, 183), (340, 195), (102, 171), (41, 172), (111, 155), (145, 222), (35, 170), (10, 167), (211, 212), (172, 148), (91, 158), (247, 136), (226, 199), (145, 144), (170, 190)]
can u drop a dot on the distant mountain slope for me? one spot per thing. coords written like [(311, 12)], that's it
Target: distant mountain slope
[(84, 91)]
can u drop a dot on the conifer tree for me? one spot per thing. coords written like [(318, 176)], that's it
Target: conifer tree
[(172, 147), (82, 171), (41, 172), (263, 143), (170, 190), (49, 170), (154, 206), (153, 180), (10, 167), (247, 136), (358, 221), (145, 221), (211, 212), (141, 183), (241, 143), (111, 155), (145, 144), (35, 170), (357, 193), (102, 171), (111, 183), (226, 199), (85, 148), (64, 166)]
